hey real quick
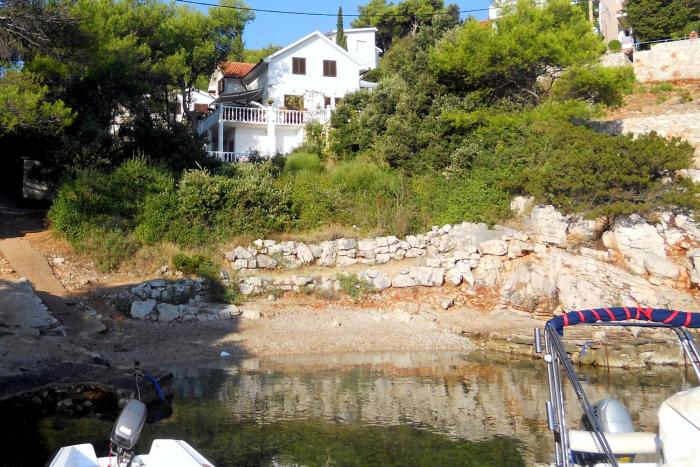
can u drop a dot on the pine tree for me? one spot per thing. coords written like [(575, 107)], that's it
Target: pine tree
[(340, 38), (657, 19)]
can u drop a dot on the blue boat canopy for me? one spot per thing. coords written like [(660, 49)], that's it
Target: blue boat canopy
[(623, 313)]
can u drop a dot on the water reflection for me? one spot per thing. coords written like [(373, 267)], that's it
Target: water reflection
[(458, 396), (372, 409)]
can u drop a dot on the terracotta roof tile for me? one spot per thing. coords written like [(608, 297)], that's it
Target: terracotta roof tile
[(236, 69)]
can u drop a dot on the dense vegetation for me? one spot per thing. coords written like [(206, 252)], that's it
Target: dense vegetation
[(465, 117), (654, 20), (97, 82)]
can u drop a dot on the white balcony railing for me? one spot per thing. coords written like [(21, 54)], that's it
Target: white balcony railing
[(259, 115), (227, 156)]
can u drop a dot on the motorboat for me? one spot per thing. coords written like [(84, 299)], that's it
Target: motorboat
[(606, 435), (125, 434)]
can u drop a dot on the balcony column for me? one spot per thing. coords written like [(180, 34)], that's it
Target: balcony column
[(221, 129), (210, 143), (271, 131)]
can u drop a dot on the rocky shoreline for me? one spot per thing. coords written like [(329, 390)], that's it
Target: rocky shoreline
[(458, 287)]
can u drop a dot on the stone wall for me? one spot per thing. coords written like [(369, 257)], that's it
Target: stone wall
[(183, 300), (555, 262), (268, 254), (550, 263), (669, 61)]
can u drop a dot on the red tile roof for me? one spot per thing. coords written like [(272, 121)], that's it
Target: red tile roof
[(236, 69)]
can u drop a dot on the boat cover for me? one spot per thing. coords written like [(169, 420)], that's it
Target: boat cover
[(620, 443), (79, 455), (623, 313), (679, 428)]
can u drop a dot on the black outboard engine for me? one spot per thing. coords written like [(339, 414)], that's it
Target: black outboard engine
[(127, 430), (612, 417)]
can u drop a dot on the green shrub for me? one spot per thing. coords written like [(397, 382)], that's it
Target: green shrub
[(300, 160), (357, 192), (596, 84), (661, 87), (191, 264), (615, 46), (159, 218), (478, 196), (206, 269), (213, 207), (108, 248), (105, 200), (355, 287), (599, 174), (315, 138)]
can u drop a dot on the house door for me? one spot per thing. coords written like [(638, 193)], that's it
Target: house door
[(231, 145)]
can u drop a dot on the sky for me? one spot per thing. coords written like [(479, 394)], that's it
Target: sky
[(268, 28)]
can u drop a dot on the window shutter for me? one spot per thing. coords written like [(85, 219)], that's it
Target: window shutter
[(298, 65), (329, 68)]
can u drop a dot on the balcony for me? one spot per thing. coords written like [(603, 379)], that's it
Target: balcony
[(262, 116)]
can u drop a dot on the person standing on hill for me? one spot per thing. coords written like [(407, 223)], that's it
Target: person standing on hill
[(628, 45)]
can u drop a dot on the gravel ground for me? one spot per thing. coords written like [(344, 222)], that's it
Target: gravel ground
[(283, 330)]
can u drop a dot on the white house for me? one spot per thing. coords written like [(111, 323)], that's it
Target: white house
[(199, 102), (264, 107), (361, 45)]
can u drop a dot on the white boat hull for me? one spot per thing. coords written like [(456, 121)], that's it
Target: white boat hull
[(163, 453)]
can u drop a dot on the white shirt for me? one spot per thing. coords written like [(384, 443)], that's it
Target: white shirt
[(627, 42)]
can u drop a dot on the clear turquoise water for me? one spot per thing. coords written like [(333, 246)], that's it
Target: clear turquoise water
[(396, 409)]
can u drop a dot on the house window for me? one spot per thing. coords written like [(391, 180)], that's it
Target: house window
[(298, 66), (221, 86), (329, 68), (293, 102), (337, 101), (326, 101)]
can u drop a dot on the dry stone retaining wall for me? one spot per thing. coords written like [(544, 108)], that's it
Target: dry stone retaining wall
[(182, 300), (551, 265)]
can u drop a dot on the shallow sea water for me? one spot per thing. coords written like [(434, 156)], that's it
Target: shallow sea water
[(374, 409)]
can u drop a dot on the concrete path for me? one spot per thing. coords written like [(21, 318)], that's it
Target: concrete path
[(31, 264)]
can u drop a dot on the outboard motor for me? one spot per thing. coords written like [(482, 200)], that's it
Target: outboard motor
[(127, 430), (612, 417)]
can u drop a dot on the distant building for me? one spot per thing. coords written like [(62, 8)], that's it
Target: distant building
[(611, 19), (263, 107)]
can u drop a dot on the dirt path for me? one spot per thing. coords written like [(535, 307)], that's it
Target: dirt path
[(31, 264)]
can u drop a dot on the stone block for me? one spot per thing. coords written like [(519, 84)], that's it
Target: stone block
[(251, 314), (168, 312), (366, 245), (304, 253), (266, 262), (239, 253), (345, 261), (454, 276), (141, 309), (494, 247), (346, 244), (403, 280), (316, 250), (383, 258), (427, 276), (328, 254)]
